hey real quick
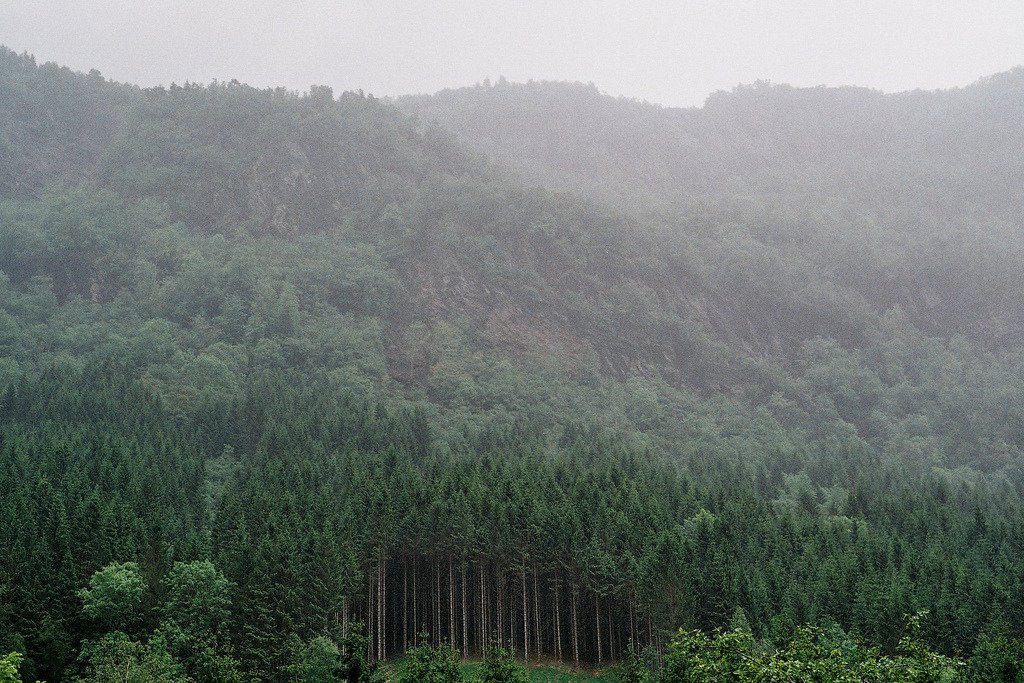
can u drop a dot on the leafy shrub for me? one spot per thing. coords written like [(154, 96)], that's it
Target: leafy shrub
[(428, 664), (500, 666)]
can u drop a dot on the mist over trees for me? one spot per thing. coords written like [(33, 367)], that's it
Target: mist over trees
[(295, 383)]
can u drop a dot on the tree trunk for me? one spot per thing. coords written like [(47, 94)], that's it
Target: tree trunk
[(451, 603), (483, 612), (405, 603), (558, 624), (512, 630), (344, 623), (415, 597), (437, 602), (575, 630), (499, 624), (632, 620), (370, 581), (611, 632), (511, 617), (536, 613), (465, 621), (526, 634), (380, 606), (597, 620)]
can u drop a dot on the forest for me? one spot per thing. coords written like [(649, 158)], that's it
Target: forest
[(329, 387)]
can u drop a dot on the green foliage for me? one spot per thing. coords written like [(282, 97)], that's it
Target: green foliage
[(9, 668), (500, 666), (425, 663), (917, 663), (635, 667), (318, 661), (196, 612), (813, 655), (321, 659), (696, 657), (113, 598), (355, 668), (996, 659), (117, 658)]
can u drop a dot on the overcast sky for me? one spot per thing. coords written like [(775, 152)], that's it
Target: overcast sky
[(670, 52)]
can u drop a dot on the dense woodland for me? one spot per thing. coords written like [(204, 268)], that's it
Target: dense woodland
[(293, 382)]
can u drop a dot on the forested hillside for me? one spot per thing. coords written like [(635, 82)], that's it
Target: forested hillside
[(288, 377), (909, 200)]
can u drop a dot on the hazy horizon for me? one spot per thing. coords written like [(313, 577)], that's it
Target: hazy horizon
[(673, 54)]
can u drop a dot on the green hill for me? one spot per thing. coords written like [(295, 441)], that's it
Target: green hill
[(568, 369)]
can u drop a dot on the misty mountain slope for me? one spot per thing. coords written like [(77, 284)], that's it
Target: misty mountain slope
[(528, 271), (852, 142), (912, 199), (199, 236), (221, 155)]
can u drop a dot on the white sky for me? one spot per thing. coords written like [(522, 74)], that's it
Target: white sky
[(673, 53)]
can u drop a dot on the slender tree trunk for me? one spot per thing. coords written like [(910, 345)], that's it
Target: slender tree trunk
[(451, 603), (483, 611), (344, 624), (558, 624), (536, 614), (597, 620), (498, 616), (511, 607), (437, 602), (415, 597), (370, 649), (575, 630), (611, 632), (380, 607), (632, 620), (513, 629), (465, 621), (405, 603), (526, 633), (396, 611), (511, 616)]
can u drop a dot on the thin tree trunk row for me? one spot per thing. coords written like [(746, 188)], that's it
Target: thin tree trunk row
[(484, 601)]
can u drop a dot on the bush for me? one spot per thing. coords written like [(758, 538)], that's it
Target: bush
[(500, 666), (428, 664), (635, 667)]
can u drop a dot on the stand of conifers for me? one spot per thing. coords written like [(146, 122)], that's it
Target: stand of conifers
[(473, 604)]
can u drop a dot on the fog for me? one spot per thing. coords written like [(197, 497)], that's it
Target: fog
[(673, 53)]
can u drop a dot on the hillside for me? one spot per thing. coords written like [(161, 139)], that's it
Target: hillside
[(756, 363), (909, 199), (850, 143), (251, 230)]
